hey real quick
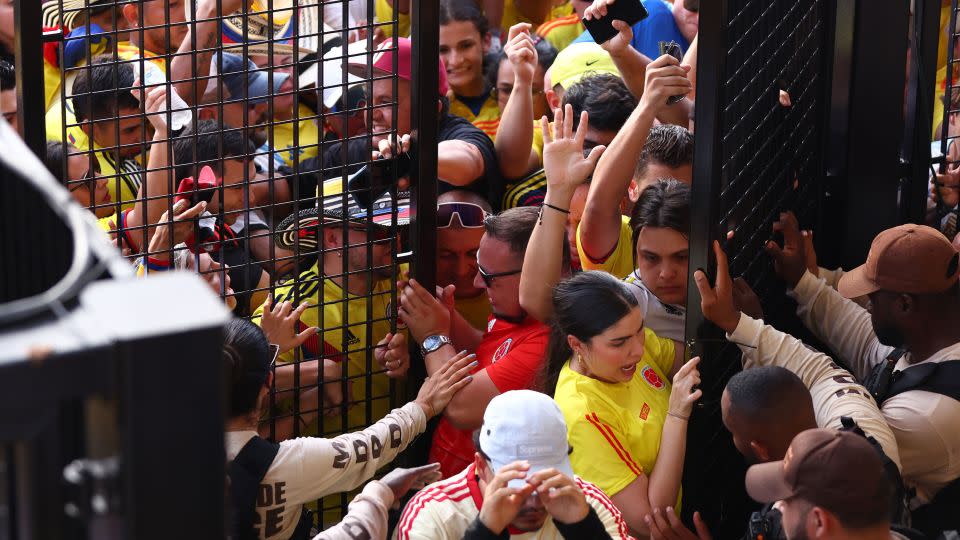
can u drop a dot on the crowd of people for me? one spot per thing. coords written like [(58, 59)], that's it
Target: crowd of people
[(271, 152)]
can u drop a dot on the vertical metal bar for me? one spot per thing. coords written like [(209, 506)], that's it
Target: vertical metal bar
[(915, 149), (425, 31), (28, 48)]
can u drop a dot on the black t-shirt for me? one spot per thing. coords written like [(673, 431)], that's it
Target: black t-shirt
[(314, 170)]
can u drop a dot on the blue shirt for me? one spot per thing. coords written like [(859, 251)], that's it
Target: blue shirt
[(648, 33)]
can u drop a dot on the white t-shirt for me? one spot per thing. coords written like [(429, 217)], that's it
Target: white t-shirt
[(666, 320), (308, 468)]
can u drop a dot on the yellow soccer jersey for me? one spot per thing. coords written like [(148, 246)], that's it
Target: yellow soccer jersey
[(123, 179), (51, 84), (383, 12), (347, 331), (620, 262), (284, 151), (512, 16), (561, 32), (614, 429), (487, 120)]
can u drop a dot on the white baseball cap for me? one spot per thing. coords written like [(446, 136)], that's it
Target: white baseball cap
[(523, 425)]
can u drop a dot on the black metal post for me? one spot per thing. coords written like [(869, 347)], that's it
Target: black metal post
[(29, 52), (919, 118)]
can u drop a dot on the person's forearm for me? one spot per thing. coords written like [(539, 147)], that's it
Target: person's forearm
[(665, 478), (438, 358), (589, 527), (190, 85), (600, 228), (465, 337), (690, 59), (285, 377), (515, 132), (840, 323), (633, 67), (459, 163), (366, 516), (153, 196), (543, 261)]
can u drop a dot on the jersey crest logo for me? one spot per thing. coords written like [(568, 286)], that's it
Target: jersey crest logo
[(644, 411), (502, 350), (652, 378), (490, 324)]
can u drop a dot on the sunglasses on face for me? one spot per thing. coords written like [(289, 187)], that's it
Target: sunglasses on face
[(469, 215), (488, 277), (88, 180)]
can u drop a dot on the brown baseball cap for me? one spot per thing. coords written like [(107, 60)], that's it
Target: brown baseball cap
[(832, 469), (911, 258)]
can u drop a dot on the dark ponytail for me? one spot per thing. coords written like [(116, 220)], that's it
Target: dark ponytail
[(246, 364), (584, 306)]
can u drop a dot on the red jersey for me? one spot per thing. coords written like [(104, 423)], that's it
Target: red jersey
[(512, 354)]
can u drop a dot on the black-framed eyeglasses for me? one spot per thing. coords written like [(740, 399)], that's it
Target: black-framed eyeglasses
[(88, 180), (489, 277)]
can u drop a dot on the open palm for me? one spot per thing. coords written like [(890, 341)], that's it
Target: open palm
[(563, 161)]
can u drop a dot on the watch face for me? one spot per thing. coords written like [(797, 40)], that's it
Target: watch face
[(432, 342)]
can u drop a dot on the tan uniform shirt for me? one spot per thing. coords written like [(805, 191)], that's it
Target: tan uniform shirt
[(834, 390), (308, 468), (924, 423)]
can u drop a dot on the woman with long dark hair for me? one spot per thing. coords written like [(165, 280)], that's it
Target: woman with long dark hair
[(269, 483), (627, 424)]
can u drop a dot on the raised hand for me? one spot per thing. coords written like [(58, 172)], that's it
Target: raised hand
[(790, 261), (155, 107), (522, 53), (502, 503), (561, 496), (563, 161), (279, 324), (423, 314), (665, 77), (161, 242), (665, 525), (683, 395), (400, 481), (393, 355), (438, 389), (716, 302)]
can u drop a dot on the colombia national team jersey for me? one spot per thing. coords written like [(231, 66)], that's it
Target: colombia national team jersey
[(347, 330), (512, 354), (487, 119), (614, 428)]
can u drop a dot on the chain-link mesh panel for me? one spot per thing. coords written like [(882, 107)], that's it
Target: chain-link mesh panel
[(265, 118), (758, 156), (946, 153)]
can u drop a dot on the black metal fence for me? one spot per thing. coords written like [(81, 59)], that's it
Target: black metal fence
[(763, 78), (269, 113)]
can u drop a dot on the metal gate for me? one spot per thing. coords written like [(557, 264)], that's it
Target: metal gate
[(289, 81)]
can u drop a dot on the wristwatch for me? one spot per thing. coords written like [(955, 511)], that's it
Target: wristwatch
[(433, 343)]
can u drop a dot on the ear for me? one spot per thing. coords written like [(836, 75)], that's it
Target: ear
[(760, 450), (553, 100), (207, 113), (633, 190), (575, 344), (132, 15), (332, 237), (819, 523), (480, 464)]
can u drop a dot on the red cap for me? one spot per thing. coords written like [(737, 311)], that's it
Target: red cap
[(383, 62)]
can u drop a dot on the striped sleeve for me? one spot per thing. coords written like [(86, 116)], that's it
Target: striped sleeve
[(608, 513), (600, 455), (434, 512)]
